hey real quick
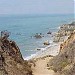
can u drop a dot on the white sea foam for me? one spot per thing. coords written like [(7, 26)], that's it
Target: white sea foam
[(49, 50), (29, 57)]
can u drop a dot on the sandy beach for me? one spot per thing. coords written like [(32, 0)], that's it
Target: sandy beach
[(52, 50), (41, 59), (43, 56)]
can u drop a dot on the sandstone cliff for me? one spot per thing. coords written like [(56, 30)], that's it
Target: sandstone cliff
[(64, 62), (65, 30), (11, 61)]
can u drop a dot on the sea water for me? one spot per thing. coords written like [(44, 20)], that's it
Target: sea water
[(24, 27)]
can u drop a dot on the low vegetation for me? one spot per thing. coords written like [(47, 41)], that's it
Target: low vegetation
[(64, 62), (11, 60)]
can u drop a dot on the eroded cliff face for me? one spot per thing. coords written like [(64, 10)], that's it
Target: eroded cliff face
[(65, 30), (64, 62), (70, 39), (11, 61)]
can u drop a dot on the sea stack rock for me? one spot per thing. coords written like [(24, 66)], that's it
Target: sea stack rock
[(11, 60)]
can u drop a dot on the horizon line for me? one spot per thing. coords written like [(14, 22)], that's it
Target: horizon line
[(41, 14)]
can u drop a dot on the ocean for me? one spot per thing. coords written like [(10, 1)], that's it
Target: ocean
[(24, 27)]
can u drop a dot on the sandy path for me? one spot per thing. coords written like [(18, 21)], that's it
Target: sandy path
[(41, 67)]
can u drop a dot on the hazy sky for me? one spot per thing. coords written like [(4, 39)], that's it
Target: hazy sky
[(36, 6)]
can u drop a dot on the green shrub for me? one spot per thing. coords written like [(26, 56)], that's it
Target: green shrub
[(64, 64)]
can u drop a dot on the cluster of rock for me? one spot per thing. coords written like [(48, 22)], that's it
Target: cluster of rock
[(64, 62), (38, 36), (11, 61), (65, 30)]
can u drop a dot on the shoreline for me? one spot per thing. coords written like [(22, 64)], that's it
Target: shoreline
[(52, 50), (40, 61)]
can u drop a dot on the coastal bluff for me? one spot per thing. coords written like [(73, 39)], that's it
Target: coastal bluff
[(64, 62), (64, 31), (11, 60)]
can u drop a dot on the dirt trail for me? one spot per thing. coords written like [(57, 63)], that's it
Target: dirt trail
[(41, 67)]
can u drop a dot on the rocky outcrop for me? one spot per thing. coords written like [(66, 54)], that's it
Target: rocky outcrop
[(64, 62), (46, 42), (38, 36), (11, 61), (70, 39), (65, 30)]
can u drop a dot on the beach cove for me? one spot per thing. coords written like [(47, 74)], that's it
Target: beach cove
[(58, 38), (41, 60), (28, 26)]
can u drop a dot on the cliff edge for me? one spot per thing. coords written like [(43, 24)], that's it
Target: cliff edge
[(11, 60), (64, 62)]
